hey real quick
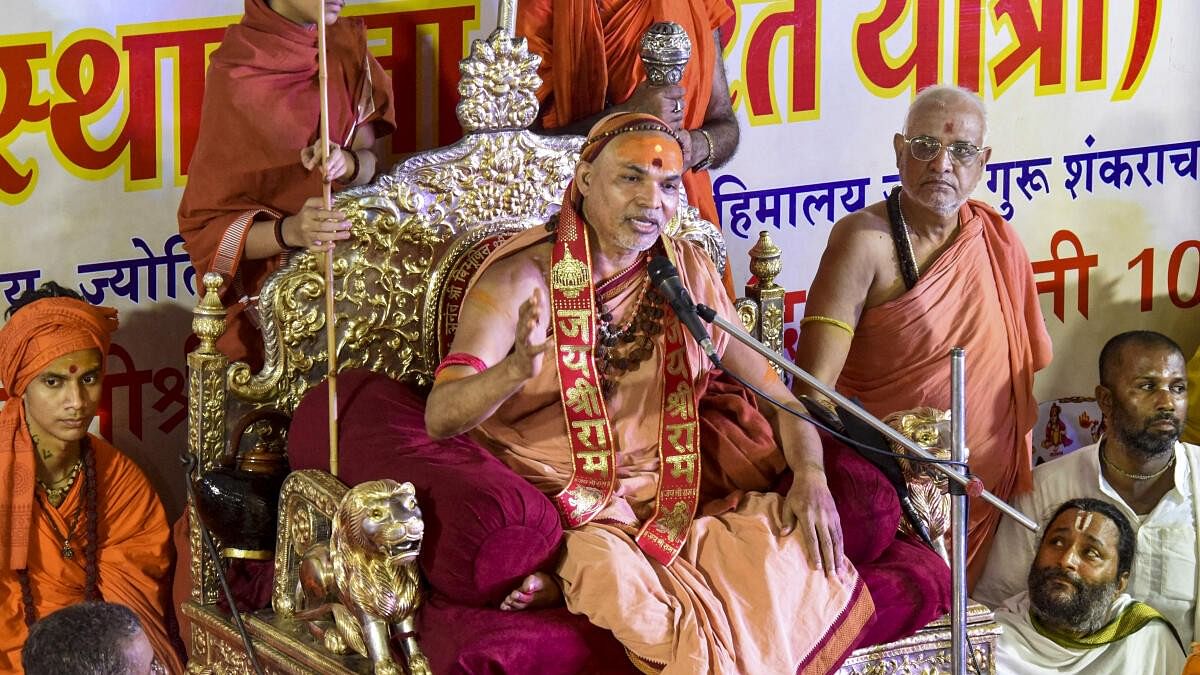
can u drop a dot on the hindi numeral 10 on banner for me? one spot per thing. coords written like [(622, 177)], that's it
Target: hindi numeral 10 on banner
[(1175, 268)]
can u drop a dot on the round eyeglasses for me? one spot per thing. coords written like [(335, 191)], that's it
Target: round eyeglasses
[(927, 148)]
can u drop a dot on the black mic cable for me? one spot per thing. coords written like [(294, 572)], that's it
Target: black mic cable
[(708, 312)]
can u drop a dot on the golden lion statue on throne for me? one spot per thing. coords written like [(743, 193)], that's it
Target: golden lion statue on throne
[(928, 488), (367, 577)]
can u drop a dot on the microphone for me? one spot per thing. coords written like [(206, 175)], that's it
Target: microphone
[(665, 278)]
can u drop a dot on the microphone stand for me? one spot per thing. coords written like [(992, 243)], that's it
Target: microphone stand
[(960, 483)]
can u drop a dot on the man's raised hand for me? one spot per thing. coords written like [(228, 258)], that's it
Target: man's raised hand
[(531, 344)]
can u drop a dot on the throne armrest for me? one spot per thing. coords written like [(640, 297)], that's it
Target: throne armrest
[(929, 650)]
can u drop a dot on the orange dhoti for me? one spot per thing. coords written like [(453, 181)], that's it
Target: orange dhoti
[(740, 598)]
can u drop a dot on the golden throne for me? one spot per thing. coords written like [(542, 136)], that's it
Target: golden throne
[(418, 233)]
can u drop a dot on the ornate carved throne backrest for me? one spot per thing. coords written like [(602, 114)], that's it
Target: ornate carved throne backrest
[(411, 230)]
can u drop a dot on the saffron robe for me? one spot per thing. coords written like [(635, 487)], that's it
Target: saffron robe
[(591, 58), (739, 597), (134, 557), (261, 108), (1152, 650), (980, 295)]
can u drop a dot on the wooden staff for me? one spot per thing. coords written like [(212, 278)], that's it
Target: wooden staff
[(327, 192)]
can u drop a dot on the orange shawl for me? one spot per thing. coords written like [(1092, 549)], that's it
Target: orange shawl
[(591, 57), (980, 295), (39, 333), (261, 107), (133, 550), (1192, 667)]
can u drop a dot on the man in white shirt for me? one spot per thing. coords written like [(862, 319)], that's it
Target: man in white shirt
[(1075, 617), (1139, 466)]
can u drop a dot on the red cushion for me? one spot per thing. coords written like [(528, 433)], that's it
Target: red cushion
[(910, 586), (866, 502), (481, 641), (486, 528)]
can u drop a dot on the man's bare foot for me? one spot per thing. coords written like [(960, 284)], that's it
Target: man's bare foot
[(538, 590)]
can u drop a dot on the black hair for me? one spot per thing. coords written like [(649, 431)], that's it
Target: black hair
[(88, 638), (1109, 355), (50, 289)]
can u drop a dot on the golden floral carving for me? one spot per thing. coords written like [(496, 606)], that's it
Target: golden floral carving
[(772, 327), (498, 86), (307, 503)]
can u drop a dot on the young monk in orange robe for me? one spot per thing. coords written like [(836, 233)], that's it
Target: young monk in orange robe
[(250, 199), (78, 519)]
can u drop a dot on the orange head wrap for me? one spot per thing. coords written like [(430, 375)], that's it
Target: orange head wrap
[(34, 337), (608, 128), (616, 124)]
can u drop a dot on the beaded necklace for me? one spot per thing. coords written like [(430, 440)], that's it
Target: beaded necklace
[(57, 494), (91, 542), (622, 349), (909, 270), (1135, 476)]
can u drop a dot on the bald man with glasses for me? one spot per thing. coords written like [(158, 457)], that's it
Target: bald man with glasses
[(904, 280)]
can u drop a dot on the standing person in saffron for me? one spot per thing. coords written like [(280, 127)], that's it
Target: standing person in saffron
[(600, 413), (591, 67), (78, 519), (254, 184), (903, 281)]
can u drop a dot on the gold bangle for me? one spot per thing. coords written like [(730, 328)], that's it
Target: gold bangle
[(829, 320), (712, 152)]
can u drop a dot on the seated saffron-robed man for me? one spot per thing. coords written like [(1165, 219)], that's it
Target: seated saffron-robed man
[(1140, 466), (1076, 616), (78, 519), (904, 280), (568, 365)]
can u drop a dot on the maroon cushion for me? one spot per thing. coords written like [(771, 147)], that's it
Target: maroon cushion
[(910, 586), (867, 505), (866, 502), (486, 528), (481, 641)]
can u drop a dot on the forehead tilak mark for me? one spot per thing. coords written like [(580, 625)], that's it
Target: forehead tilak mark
[(1083, 519)]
